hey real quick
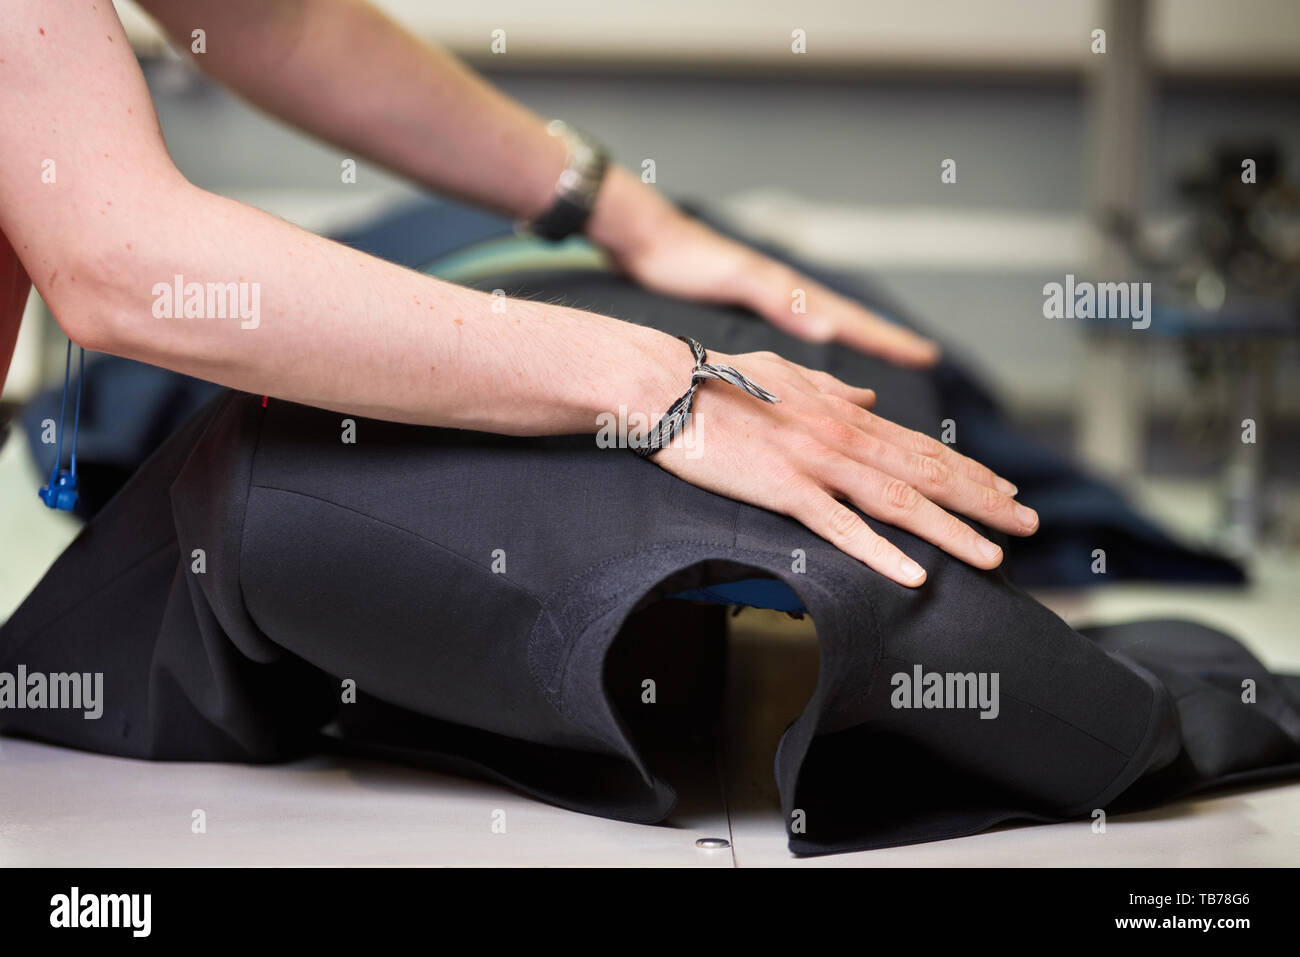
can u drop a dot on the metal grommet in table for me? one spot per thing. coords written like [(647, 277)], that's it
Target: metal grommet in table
[(713, 843)]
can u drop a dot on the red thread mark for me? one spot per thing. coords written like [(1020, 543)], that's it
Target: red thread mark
[(264, 398)]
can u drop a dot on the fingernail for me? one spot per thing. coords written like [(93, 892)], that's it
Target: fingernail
[(988, 551), (1003, 486), (1026, 516), (911, 571)]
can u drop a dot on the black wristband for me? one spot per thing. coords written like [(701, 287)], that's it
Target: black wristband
[(577, 188), (563, 219)]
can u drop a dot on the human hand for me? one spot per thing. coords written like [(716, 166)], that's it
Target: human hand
[(667, 251), (820, 447)]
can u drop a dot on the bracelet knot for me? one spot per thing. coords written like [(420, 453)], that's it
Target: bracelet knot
[(675, 419)]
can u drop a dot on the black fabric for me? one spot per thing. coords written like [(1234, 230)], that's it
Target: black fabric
[(130, 408), (1078, 512), (373, 562)]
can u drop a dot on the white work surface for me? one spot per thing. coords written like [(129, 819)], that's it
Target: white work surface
[(63, 807)]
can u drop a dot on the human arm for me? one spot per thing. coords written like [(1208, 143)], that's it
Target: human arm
[(345, 331), (344, 71)]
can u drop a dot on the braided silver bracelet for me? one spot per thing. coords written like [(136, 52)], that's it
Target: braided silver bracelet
[(680, 412)]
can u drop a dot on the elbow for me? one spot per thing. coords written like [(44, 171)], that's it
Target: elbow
[(91, 298), (96, 274), (87, 324)]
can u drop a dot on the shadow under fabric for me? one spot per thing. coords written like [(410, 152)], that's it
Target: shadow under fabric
[(374, 562)]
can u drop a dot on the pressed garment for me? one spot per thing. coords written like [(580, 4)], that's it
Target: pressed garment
[(129, 407), (378, 562)]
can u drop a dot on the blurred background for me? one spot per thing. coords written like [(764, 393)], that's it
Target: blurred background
[(1117, 165)]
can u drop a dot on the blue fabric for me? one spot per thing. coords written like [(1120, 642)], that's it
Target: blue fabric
[(425, 230), (748, 592)]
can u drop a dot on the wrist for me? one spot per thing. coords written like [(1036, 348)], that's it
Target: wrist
[(628, 215), (660, 378), (551, 162)]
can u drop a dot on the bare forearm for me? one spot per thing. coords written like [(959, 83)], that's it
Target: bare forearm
[(344, 71), (342, 330), (120, 246), (104, 223)]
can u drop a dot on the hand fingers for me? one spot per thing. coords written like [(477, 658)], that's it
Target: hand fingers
[(933, 477), (810, 311), (894, 500), (920, 445), (843, 528), (932, 448), (951, 489), (824, 382), (861, 329), (942, 475)]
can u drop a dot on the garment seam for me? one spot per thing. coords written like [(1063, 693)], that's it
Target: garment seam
[(1049, 711), (405, 531), (1080, 809), (585, 621)]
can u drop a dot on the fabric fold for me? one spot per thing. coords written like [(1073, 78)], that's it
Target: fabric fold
[(276, 580)]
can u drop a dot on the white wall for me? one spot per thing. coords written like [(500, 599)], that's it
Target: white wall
[(1188, 36)]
